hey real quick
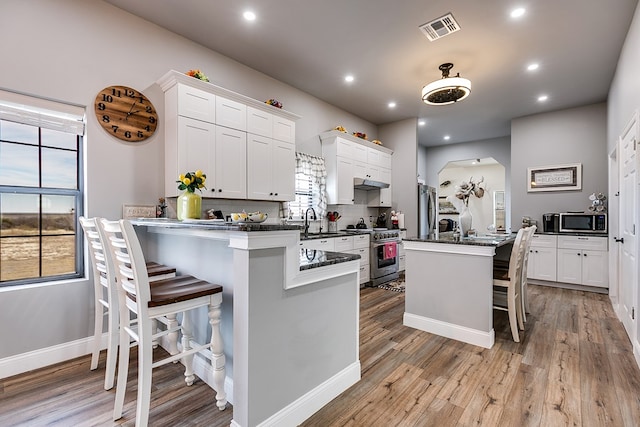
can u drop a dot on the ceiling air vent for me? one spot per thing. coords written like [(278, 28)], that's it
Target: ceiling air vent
[(440, 27)]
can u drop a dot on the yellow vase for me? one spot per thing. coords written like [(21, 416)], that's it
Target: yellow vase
[(189, 206)]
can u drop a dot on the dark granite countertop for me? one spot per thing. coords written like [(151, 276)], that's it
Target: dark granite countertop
[(209, 224), (314, 258), (493, 240), (548, 233), (313, 236)]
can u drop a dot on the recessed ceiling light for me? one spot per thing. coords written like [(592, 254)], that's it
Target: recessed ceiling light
[(421, 123), (392, 104), (447, 137), (249, 16), (517, 13), (543, 98), (349, 78), (533, 66)]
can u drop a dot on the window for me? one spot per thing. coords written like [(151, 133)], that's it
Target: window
[(40, 189), (311, 176)]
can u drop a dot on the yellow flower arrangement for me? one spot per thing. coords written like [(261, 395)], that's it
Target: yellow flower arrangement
[(191, 181), (197, 74)]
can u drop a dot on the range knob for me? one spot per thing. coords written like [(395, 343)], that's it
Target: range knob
[(376, 236)]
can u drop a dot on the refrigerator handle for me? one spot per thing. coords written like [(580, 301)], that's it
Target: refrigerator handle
[(432, 217)]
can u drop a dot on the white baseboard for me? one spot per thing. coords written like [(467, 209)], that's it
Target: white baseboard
[(305, 406), (36, 359), (24, 362), (450, 330)]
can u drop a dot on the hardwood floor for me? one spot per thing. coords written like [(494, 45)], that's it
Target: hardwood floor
[(573, 367)]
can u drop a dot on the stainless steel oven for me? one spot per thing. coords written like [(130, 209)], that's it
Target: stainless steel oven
[(384, 258)]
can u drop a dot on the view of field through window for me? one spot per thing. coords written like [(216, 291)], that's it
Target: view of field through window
[(39, 195)]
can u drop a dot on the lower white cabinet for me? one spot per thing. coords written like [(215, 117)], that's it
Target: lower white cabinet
[(583, 260), (357, 244), (542, 258), (579, 260), (401, 251)]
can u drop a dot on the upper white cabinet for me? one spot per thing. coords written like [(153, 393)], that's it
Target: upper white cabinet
[(194, 103), (246, 147), (347, 157), (231, 114), (271, 168)]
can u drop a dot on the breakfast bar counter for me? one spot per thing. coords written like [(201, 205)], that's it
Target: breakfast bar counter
[(290, 317), (449, 285)]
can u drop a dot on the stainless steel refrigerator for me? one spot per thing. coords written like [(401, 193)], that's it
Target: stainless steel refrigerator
[(427, 211)]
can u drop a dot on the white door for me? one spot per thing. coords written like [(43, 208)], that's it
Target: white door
[(259, 167), (231, 163), (628, 215), (284, 171)]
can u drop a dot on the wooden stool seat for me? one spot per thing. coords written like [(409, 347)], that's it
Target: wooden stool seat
[(157, 271)]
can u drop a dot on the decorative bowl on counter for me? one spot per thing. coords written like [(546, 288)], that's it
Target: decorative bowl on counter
[(253, 217), (239, 217)]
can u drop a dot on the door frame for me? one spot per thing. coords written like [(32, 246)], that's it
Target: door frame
[(613, 226)]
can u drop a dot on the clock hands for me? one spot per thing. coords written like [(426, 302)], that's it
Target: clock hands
[(131, 110)]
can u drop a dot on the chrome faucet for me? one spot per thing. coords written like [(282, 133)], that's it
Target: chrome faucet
[(306, 221)]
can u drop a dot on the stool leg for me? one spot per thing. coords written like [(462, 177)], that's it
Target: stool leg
[(123, 366), (172, 337), (97, 333), (189, 377), (217, 352), (145, 363), (112, 346)]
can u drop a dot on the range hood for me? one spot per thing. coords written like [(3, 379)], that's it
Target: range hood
[(368, 184)]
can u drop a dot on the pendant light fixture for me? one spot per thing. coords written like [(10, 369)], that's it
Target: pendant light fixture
[(447, 90)]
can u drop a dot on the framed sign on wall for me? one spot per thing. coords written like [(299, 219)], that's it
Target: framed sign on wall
[(555, 178)]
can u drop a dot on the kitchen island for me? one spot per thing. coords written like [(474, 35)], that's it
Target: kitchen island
[(449, 285), (290, 317)]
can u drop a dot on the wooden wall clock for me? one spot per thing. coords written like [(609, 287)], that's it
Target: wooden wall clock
[(125, 113)]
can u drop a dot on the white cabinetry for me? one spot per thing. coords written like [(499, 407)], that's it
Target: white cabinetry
[(583, 260), (357, 244), (348, 157), (542, 258), (270, 169), (401, 251), (206, 127)]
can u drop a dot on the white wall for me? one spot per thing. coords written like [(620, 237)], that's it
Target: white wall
[(624, 95), (576, 135), (69, 50)]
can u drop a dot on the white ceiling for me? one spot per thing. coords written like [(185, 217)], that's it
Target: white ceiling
[(312, 45)]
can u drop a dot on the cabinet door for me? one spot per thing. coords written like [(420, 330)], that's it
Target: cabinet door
[(595, 268), (259, 122), (360, 153), (542, 264), (259, 167), (284, 130), (196, 104), (231, 114), (359, 169), (283, 171), (344, 182), (570, 266), (231, 163), (373, 156), (196, 149)]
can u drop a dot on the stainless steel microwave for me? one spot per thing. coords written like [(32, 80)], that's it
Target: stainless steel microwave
[(583, 222)]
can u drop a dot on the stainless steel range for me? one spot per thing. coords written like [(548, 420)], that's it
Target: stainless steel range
[(384, 260)]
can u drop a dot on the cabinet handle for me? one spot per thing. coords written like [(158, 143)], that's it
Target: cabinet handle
[(584, 254), (275, 194), (219, 190), (213, 190), (271, 194), (578, 254), (620, 240)]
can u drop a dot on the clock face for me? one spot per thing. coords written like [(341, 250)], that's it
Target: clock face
[(125, 113)]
